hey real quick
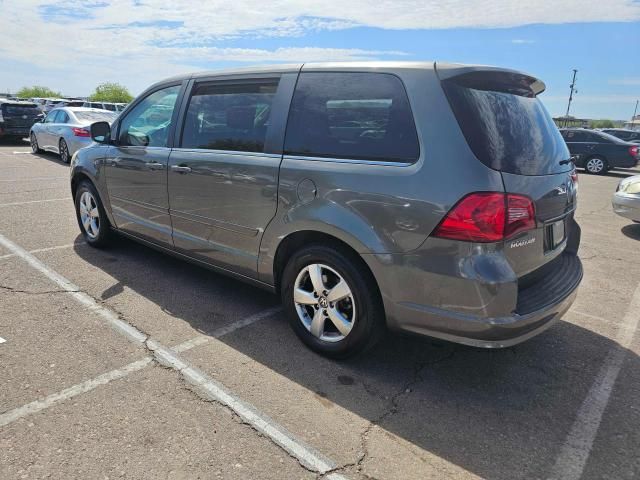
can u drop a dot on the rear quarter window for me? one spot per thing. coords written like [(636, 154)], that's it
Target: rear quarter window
[(361, 116), (506, 125)]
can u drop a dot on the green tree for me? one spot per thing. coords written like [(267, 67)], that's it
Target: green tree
[(601, 123), (111, 92), (37, 92)]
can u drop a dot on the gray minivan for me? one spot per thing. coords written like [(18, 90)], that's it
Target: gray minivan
[(430, 198)]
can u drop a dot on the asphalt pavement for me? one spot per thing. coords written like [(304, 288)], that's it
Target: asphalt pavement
[(127, 363)]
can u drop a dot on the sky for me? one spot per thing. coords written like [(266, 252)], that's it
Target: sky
[(74, 45)]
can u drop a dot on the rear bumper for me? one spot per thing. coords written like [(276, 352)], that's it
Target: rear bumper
[(11, 131), (477, 300), (540, 302), (627, 206)]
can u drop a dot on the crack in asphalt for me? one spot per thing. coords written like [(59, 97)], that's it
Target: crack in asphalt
[(392, 409), (33, 292), (155, 351)]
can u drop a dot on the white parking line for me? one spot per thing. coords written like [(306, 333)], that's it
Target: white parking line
[(577, 446), (34, 201), (297, 448), (28, 179), (2, 340), (50, 400), (75, 390), (47, 249)]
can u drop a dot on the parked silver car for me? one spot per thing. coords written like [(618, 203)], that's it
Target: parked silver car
[(66, 130), (626, 200)]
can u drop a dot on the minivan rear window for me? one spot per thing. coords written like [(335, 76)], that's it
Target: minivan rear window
[(361, 116), (506, 125)]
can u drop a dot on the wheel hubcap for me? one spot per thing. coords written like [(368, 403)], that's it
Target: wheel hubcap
[(64, 152), (89, 215), (324, 302), (595, 165)]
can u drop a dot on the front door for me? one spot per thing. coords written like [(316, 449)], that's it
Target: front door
[(136, 167), (223, 177)]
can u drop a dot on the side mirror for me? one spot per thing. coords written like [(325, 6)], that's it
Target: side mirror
[(101, 132)]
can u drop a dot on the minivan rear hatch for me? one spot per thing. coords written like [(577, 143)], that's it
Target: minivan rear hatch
[(509, 130)]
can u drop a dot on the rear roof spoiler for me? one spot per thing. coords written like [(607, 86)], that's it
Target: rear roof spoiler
[(483, 77)]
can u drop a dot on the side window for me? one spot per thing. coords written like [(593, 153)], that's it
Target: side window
[(351, 115), (148, 124), (573, 136), (229, 116), (62, 117), (51, 117)]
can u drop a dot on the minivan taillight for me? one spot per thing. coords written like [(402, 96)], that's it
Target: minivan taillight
[(81, 132), (488, 217)]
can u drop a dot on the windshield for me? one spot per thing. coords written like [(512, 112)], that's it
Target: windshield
[(95, 116), (508, 129)]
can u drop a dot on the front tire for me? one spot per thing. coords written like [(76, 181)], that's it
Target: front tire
[(63, 148), (596, 166), (92, 219), (332, 301)]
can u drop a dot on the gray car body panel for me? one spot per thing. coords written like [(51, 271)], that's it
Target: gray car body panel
[(386, 212)]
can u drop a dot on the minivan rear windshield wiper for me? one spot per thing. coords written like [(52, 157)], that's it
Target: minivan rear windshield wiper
[(565, 162)]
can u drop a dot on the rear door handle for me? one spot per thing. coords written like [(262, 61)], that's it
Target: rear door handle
[(180, 169), (154, 165)]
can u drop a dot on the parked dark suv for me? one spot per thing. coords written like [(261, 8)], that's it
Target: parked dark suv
[(598, 152), (16, 118), (431, 198)]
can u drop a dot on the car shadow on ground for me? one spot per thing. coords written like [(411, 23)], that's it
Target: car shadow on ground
[(632, 231), (501, 414)]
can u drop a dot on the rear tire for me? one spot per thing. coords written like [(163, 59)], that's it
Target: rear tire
[(63, 148), (596, 166), (312, 280), (35, 148), (92, 218)]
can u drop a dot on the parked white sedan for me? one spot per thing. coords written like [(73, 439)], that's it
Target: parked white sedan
[(626, 200), (66, 130)]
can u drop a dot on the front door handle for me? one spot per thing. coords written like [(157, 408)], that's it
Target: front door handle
[(154, 165), (180, 169)]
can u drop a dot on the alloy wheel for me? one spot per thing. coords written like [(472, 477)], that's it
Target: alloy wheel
[(64, 151), (89, 215), (595, 165), (34, 143), (324, 302)]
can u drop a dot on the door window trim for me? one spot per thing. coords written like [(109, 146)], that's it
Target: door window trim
[(351, 160), (115, 132), (275, 137)]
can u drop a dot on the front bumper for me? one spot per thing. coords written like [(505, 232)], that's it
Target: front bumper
[(627, 205)]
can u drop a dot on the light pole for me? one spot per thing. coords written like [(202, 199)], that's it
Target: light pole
[(572, 86), (635, 110)]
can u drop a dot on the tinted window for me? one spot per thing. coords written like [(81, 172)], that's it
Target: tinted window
[(505, 124), (575, 136), (351, 115), (110, 107), (148, 124), (229, 116)]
